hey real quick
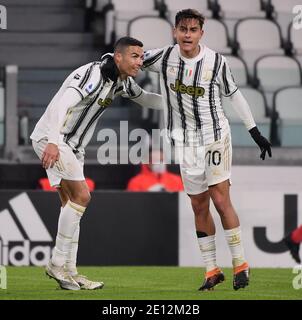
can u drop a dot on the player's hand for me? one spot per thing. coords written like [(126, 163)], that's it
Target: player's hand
[(262, 142), (109, 69), (50, 155), (132, 88)]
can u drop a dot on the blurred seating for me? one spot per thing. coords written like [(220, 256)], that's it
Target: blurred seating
[(239, 70), (173, 6), (233, 10), (257, 102), (256, 37), (121, 12), (2, 112), (283, 13), (220, 42), (42, 19), (294, 40), (44, 3), (273, 72), (240, 9), (154, 32), (288, 109)]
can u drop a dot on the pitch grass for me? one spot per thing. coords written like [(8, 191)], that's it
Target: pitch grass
[(149, 283)]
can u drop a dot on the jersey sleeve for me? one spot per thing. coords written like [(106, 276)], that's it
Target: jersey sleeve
[(226, 79), (152, 59), (86, 80)]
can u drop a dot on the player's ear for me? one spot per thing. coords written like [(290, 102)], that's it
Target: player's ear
[(117, 57), (174, 32)]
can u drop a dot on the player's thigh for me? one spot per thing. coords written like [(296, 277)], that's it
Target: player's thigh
[(218, 161), (192, 169)]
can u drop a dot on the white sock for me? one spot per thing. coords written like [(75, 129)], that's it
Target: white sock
[(69, 219), (233, 237), (71, 261), (208, 251)]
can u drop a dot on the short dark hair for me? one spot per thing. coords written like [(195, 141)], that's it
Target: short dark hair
[(125, 42), (189, 14)]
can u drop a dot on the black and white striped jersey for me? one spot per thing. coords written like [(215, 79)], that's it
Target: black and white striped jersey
[(96, 95), (191, 89)]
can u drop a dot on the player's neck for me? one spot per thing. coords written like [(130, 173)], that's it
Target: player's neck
[(123, 76), (190, 54)]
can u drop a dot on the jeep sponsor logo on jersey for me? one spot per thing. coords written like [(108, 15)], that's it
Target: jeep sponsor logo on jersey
[(104, 102), (190, 90), (24, 239)]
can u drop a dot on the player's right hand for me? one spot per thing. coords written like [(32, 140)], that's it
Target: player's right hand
[(109, 69), (50, 155)]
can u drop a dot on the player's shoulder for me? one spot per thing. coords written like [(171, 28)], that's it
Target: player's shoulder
[(160, 52), (214, 58), (212, 53), (91, 68), (86, 78)]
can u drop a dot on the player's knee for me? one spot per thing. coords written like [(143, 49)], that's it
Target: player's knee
[(221, 203), (82, 198), (200, 206)]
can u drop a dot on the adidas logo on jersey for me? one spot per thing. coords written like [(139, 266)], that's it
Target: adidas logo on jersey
[(190, 90), (23, 235)]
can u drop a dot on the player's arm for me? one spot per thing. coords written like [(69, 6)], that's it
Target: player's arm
[(58, 110), (141, 96), (81, 83), (229, 89)]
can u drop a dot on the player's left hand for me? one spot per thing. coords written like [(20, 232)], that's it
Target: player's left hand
[(50, 155), (262, 142)]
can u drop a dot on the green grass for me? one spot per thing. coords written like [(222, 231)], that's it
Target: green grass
[(149, 283)]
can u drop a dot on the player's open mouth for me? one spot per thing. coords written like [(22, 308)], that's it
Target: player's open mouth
[(187, 42)]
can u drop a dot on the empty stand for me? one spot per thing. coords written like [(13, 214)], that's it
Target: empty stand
[(233, 10), (257, 103), (216, 36), (123, 12), (42, 19), (295, 39), (239, 70), (275, 72), (154, 32), (1, 115), (46, 56), (283, 13), (256, 37), (241, 9), (173, 6), (45, 3), (287, 104)]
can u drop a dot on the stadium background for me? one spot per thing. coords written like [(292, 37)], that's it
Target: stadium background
[(46, 39)]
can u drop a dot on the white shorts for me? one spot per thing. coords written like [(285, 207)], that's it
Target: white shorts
[(68, 167), (204, 166)]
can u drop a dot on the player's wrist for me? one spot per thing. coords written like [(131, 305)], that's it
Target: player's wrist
[(52, 141), (254, 132)]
